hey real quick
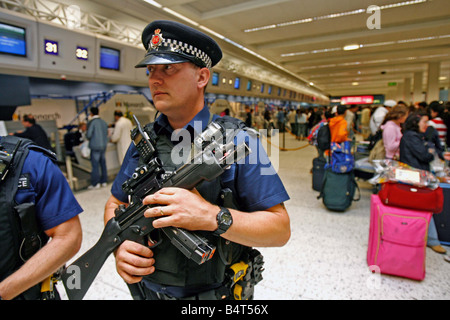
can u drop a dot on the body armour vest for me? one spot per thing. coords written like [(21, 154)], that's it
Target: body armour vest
[(20, 236), (172, 267)]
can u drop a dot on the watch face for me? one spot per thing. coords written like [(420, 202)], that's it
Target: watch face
[(226, 218)]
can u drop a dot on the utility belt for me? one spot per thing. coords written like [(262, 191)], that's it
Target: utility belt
[(241, 277), (239, 284)]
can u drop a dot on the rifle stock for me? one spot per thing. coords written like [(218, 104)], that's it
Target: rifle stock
[(78, 277)]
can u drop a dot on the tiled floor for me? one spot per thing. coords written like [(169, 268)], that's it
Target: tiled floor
[(324, 259)]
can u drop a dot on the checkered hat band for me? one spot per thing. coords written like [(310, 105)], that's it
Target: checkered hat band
[(178, 46)]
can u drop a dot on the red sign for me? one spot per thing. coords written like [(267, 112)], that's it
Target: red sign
[(357, 100)]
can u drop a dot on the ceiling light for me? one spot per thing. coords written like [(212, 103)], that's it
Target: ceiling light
[(401, 4), (355, 83), (367, 45), (153, 3), (176, 14), (442, 78), (309, 52), (311, 83), (333, 15), (351, 47)]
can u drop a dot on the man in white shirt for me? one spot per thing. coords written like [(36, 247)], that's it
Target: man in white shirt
[(379, 114), (121, 134)]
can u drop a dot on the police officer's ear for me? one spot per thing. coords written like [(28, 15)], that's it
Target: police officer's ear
[(203, 77)]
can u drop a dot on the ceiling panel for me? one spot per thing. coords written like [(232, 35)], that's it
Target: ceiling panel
[(303, 40)]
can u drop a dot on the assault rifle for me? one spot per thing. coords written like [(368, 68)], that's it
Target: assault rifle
[(209, 160)]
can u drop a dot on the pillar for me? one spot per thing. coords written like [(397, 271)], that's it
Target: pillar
[(400, 90), (433, 81), (407, 91), (418, 84)]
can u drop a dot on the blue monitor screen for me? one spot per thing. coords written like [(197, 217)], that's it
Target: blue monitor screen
[(13, 40), (109, 58), (237, 83), (215, 79)]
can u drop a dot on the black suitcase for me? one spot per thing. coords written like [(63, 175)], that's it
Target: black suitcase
[(318, 172), (442, 220)]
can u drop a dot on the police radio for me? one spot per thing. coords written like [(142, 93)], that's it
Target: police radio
[(142, 141)]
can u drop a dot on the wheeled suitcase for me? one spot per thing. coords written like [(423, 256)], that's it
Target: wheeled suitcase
[(338, 190), (397, 240), (318, 172), (442, 220)]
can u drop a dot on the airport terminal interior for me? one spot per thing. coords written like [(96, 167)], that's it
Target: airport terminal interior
[(59, 58)]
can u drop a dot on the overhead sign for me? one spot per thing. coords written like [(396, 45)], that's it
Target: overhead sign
[(81, 53), (51, 47), (357, 100)]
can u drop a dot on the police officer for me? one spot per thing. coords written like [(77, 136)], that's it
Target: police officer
[(39, 196), (178, 60)]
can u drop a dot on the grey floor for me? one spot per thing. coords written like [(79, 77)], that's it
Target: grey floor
[(324, 259)]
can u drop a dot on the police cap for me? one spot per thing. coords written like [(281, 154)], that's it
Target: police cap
[(170, 42)]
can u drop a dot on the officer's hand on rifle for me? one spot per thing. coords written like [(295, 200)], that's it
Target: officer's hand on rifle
[(133, 261), (181, 208)]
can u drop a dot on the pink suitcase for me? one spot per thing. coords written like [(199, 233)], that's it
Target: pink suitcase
[(397, 240)]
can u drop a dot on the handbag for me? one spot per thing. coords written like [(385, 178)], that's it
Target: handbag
[(378, 151), (412, 197)]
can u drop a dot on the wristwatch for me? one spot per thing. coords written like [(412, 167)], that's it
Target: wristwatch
[(224, 221)]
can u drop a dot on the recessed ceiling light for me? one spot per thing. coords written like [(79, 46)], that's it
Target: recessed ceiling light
[(351, 47), (355, 83)]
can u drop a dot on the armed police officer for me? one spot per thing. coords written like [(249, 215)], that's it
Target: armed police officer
[(36, 203), (178, 60)]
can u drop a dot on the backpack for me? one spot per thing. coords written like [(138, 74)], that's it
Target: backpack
[(342, 159), (324, 137)]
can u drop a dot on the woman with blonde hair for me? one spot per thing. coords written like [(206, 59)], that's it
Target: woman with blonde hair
[(392, 130)]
